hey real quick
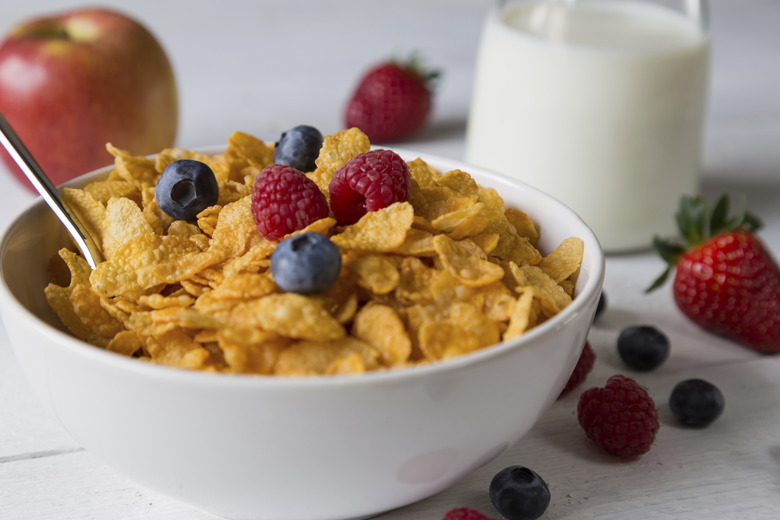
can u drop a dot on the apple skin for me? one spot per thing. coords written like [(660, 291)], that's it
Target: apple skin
[(72, 82)]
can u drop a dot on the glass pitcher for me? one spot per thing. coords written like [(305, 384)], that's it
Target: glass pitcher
[(600, 103)]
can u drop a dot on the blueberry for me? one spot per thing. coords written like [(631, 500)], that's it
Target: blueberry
[(299, 147), (695, 402), (519, 493), (601, 306), (306, 264), (186, 188), (643, 347)]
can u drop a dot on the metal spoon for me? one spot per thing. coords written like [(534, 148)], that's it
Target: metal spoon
[(44, 186)]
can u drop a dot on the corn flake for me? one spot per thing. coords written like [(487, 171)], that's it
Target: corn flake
[(336, 150), (381, 327), (375, 273), (448, 272), (381, 230), (290, 315), (464, 263)]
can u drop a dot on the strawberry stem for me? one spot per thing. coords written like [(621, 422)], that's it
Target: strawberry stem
[(414, 63), (698, 221)]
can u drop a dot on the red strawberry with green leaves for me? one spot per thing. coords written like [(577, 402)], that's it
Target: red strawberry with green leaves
[(392, 101), (726, 281)]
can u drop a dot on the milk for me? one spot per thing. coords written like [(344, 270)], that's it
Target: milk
[(598, 103)]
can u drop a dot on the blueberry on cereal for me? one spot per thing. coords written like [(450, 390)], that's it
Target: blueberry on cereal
[(308, 263), (186, 188), (299, 147)]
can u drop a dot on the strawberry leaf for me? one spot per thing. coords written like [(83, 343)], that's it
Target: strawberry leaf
[(720, 216), (743, 220), (752, 222), (691, 218), (670, 252), (698, 221), (415, 64), (659, 281)]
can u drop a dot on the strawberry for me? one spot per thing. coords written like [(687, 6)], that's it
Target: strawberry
[(726, 281), (391, 101)]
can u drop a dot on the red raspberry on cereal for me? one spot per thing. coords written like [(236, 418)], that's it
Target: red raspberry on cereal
[(369, 181), (619, 418), (285, 200)]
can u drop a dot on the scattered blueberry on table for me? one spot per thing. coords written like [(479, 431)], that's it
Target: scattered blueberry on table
[(696, 402), (519, 493), (601, 306), (643, 347)]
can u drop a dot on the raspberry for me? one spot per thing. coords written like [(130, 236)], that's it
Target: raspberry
[(368, 182), (619, 418), (285, 200), (581, 370), (465, 513)]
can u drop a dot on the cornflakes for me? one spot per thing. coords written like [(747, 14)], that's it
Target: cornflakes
[(450, 271)]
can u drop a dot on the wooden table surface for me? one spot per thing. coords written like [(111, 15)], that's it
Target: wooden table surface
[(242, 67)]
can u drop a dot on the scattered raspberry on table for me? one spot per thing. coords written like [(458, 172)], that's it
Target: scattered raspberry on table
[(465, 513), (584, 365), (620, 418)]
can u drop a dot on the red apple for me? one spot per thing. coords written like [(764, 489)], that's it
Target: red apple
[(70, 83)]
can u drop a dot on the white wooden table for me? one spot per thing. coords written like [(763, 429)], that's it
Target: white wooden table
[(238, 68)]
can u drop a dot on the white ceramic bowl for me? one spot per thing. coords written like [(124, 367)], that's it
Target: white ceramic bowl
[(249, 447)]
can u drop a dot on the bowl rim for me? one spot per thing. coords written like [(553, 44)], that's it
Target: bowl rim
[(588, 294)]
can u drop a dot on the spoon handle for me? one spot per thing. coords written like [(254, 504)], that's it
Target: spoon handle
[(44, 186)]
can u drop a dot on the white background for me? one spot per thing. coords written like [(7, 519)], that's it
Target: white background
[(264, 66)]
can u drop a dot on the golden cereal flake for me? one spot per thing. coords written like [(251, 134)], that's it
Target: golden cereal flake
[(461, 261), (251, 148), (382, 230), (337, 149), (381, 327), (346, 355), (290, 315), (447, 272)]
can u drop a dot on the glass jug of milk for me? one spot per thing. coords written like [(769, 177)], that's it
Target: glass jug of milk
[(599, 103)]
